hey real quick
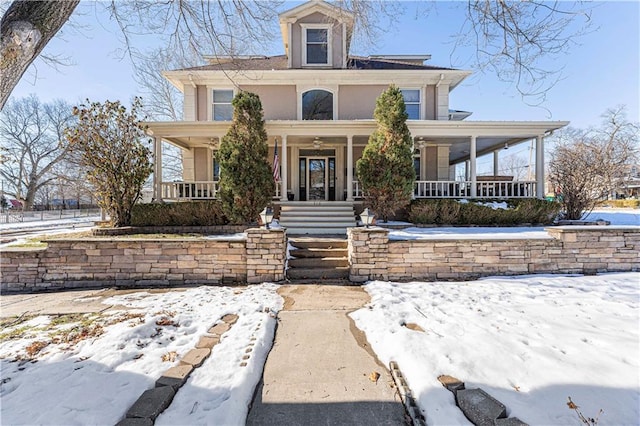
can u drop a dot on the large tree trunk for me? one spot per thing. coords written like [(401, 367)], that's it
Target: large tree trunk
[(26, 28)]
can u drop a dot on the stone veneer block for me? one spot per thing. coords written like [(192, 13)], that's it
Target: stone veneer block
[(135, 421), (511, 421), (207, 342), (219, 328), (480, 407), (152, 402), (175, 376), (230, 319), (196, 357)]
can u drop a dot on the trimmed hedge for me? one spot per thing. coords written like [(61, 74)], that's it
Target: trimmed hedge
[(453, 212), (630, 203), (188, 213)]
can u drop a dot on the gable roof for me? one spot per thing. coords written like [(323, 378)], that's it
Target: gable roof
[(315, 6)]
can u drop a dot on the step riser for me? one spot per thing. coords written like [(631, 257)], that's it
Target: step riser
[(320, 245), (317, 274), (316, 231), (317, 253), (318, 263)]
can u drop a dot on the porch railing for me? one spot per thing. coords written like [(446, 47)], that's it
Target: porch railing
[(484, 189), (198, 190), (462, 189)]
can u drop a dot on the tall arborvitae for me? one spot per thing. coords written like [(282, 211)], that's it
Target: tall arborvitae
[(385, 170), (246, 180)]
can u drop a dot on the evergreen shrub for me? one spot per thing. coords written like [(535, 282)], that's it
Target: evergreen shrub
[(453, 212), (188, 213)]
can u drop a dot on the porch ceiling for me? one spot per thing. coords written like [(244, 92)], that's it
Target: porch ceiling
[(490, 135)]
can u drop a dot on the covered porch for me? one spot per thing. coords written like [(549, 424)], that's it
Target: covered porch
[(317, 158)]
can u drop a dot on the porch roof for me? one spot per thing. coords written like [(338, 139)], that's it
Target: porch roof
[(490, 135)]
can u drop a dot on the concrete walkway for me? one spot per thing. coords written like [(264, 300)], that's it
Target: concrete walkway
[(320, 368)]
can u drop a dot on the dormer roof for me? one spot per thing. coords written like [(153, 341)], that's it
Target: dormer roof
[(314, 6)]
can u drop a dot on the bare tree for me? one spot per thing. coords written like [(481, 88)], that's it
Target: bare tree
[(585, 164), (514, 165), (25, 29), (511, 37), (31, 133)]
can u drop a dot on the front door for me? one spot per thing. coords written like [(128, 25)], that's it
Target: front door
[(317, 179), (317, 176)]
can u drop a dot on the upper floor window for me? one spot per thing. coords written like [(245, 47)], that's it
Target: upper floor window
[(316, 44), (412, 103), (222, 108), (317, 105)]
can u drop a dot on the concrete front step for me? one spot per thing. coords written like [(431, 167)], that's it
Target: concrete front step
[(318, 274), (316, 230), (318, 243), (319, 263), (317, 218), (311, 253)]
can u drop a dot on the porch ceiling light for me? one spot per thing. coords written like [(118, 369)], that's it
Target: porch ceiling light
[(367, 217), (266, 216)]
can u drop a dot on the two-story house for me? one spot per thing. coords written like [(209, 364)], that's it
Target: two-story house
[(318, 105)]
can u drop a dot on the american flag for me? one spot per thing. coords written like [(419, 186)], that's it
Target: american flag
[(276, 164)]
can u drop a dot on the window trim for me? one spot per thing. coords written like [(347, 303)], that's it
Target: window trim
[(419, 103), (302, 91), (212, 104), (328, 28)]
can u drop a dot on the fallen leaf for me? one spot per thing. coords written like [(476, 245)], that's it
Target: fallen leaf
[(374, 376)]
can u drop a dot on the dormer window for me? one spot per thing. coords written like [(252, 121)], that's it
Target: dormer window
[(316, 44)]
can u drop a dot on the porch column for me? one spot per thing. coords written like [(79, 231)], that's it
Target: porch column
[(496, 163), (349, 167), (466, 170), (472, 166), (157, 169), (540, 166), (285, 170)]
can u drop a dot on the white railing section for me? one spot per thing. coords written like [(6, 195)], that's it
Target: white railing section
[(278, 186), (484, 189), (356, 192), (200, 190)]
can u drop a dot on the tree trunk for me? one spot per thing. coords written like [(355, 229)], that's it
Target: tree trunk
[(26, 28)]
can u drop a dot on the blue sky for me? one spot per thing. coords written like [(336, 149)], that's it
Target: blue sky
[(600, 72)]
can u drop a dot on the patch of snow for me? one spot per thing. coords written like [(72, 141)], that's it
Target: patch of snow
[(615, 216), (529, 341), (239, 236), (470, 233), (98, 379)]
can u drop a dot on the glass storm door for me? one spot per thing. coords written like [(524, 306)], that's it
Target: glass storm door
[(317, 179)]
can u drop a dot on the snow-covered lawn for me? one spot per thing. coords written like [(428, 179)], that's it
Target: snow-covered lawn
[(99, 368), (530, 342)]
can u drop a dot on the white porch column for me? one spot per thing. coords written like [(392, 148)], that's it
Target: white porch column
[(349, 167), (472, 166), (496, 163), (285, 170), (540, 166), (157, 169), (467, 173)]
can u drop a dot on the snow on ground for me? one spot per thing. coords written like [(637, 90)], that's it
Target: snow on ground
[(96, 380), (616, 216), (68, 222), (530, 342), (470, 233)]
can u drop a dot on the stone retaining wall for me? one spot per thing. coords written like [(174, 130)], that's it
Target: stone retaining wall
[(69, 263), (584, 250)]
